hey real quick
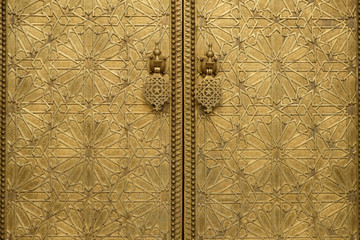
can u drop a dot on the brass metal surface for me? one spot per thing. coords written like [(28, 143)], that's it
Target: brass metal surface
[(87, 156), (84, 155), (157, 88), (277, 159), (208, 91)]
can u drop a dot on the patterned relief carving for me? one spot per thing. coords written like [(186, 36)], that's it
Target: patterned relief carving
[(208, 93), (87, 156), (277, 159), (157, 91)]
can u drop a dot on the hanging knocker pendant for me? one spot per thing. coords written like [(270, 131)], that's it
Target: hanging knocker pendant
[(208, 92), (157, 89)]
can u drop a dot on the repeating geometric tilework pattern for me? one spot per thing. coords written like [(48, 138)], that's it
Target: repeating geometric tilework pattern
[(277, 159), (87, 157)]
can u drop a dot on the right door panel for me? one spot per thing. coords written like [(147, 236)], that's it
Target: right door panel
[(276, 159)]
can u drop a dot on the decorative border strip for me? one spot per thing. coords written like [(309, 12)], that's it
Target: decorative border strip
[(358, 98), (3, 115), (189, 121), (176, 120)]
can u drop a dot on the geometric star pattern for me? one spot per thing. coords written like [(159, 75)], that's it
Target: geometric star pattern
[(157, 91), (87, 157), (277, 159), (208, 93)]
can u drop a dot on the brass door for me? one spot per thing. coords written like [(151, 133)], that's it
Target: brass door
[(168, 119), (277, 158), (87, 156)]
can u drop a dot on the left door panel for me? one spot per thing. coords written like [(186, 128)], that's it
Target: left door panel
[(87, 156)]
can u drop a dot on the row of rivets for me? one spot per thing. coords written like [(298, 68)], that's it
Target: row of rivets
[(175, 123), (358, 16), (193, 146), (3, 116)]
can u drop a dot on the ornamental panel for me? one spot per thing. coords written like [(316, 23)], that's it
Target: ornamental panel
[(277, 158)]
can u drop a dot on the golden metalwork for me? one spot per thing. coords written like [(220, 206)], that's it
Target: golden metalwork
[(278, 158), (208, 91), (87, 158), (189, 76), (157, 89)]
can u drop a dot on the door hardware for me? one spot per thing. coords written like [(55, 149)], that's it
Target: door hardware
[(208, 92), (157, 88)]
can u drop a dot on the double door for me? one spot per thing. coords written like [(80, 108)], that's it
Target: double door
[(193, 119)]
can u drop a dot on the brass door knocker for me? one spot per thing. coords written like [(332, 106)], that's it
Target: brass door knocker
[(157, 89), (208, 92)]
